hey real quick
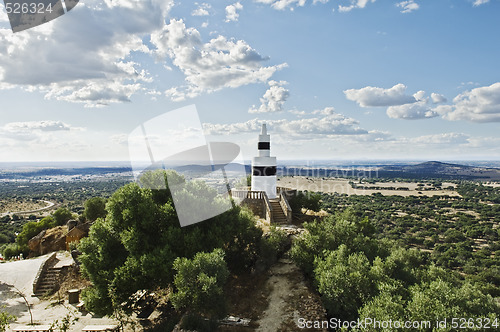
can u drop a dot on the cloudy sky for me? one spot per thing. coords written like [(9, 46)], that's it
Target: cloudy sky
[(333, 79)]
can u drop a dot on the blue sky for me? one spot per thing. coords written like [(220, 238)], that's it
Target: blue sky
[(343, 79)]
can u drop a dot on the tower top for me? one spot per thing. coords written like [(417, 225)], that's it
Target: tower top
[(264, 129)]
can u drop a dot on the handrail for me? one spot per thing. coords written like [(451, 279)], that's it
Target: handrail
[(269, 208), (285, 206)]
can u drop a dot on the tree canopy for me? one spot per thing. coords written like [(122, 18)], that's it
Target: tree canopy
[(135, 245), (94, 208)]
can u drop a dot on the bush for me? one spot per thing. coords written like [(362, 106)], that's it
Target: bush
[(95, 208), (11, 250), (308, 200), (273, 245), (5, 319), (200, 284)]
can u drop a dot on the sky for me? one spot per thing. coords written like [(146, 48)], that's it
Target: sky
[(333, 79)]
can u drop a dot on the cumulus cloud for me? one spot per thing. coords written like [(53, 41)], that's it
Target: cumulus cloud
[(283, 4), (408, 6), (444, 138), (31, 130), (354, 4), (273, 98), (202, 10), (372, 96), (478, 105), (232, 12), (480, 2), (438, 98), (414, 111), (66, 57), (209, 66), (47, 125), (325, 123), (399, 104)]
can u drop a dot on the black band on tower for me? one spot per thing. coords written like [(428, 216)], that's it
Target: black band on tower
[(264, 146), (264, 170)]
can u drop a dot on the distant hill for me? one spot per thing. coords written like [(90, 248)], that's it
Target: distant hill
[(436, 169), (426, 170)]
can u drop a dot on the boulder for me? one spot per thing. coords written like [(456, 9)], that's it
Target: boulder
[(49, 240)]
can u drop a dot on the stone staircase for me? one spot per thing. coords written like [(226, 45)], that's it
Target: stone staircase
[(49, 281), (279, 216)]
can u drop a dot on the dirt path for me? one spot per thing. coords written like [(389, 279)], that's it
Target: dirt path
[(50, 205), (274, 300), (289, 300)]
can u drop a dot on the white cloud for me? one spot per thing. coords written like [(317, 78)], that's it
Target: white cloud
[(400, 105), (298, 113), (480, 2), (232, 12), (325, 111), (354, 4), (273, 98), (478, 105), (66, 58), (327, 124), (438, 98), (33, 130), (219, 63), (408, 6), (415, 111), (202, 10), (444, 138), (372, 96), (96, 95), (47, 125), (283, 4), (420, 96)]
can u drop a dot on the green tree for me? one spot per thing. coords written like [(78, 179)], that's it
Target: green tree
[(31, 229), (199, 284), (386, 306), (94, 208), (328, 234), (309, 201), (440, 299), (345, 282), (134, 247), (61, 216)]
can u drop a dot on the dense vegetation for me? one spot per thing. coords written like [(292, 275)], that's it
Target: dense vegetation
[(379, 257), (70, 195), (136, 245), (459, 233), (360, 276)]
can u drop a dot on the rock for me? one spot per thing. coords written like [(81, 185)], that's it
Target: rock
[(49, 240), (34, 243)]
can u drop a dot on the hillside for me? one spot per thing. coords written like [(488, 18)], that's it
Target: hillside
[(436, 169)]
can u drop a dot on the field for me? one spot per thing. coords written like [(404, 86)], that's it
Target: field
[(24, 206), (344, 186)]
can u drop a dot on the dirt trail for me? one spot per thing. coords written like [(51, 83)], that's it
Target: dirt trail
[(274, 300), (49, 206), (290, 298)]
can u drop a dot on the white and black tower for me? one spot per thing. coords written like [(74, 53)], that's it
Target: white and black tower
[(264, 166)]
